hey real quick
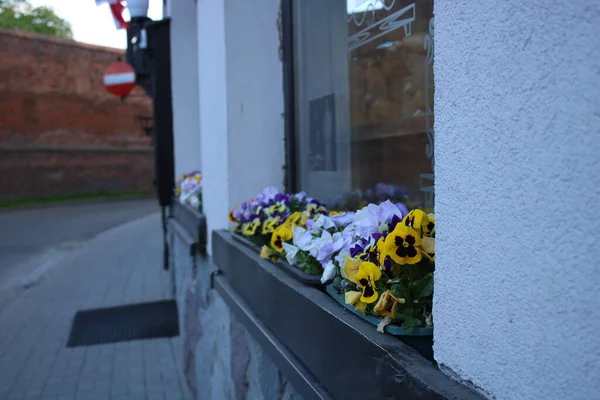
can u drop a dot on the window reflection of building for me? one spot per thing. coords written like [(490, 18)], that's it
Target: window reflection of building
[(388, 98)]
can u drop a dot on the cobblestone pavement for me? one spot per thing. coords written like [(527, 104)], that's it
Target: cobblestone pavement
[(120, 266)]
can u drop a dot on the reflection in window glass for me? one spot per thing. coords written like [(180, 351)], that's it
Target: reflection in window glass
[(364, 97)]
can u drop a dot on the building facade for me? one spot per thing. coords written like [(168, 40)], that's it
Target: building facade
[(486, 112)]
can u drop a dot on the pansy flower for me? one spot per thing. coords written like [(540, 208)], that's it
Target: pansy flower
[(230, 216), (428, 246), (315, 207), (388, 304), (384, 260), (353, 297), (364, 276), (416, 219), (249, 228), (270, 224), (268, 194), (278, 207), (429, 228), (296, 218), (402, 245), (350, 268), (266, 252), (282, 234)]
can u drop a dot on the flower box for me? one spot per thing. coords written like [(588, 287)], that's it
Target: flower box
[(193, 222), (340, 351), (298, 274), (380, 257), (420, 339), (391, 328)]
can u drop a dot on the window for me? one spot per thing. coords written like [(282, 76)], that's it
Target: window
[(364, 96)]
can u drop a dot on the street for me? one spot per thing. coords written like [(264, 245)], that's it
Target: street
[(83, 257), (28, 233)]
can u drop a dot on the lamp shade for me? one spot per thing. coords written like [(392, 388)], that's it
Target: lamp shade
[(137, 8)]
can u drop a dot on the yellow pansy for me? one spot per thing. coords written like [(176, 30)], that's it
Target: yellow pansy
[(230, 216), (352, 297), (350, 269), (388, 304), (270, 224), (282, 234), (402, 245), (294, 219), (428, 246), (366, 276), (429, 227), (416, 219), (249, 228), (381, 255), (266, 252), (313, 208), (277, 207)]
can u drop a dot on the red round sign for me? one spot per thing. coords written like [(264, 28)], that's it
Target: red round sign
[(119, 78)]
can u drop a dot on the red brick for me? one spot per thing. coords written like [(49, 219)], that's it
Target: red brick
[(52, 94)]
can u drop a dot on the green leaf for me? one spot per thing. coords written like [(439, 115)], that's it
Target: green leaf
[(427, 289), (410, 323), (398, 291), (337, 282), (308, 264)]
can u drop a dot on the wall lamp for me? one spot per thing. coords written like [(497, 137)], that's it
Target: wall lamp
[(139, 54)]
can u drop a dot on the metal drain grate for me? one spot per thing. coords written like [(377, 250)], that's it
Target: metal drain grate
[(119, 324)]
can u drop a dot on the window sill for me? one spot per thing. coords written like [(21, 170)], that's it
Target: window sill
[(344, 354)]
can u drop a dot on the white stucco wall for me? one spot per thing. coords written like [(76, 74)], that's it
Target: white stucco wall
[(184, 84), (254, 98), (241, 98), (212, 85), (517, 104)]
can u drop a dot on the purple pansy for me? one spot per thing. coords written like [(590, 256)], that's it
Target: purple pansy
[(282, 197), (268, 194)]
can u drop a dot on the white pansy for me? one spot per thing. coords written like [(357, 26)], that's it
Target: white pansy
[(302, 238), (194, 201), (328, 272), (318, 242), (291, 252), (324, 222), (342, 256)]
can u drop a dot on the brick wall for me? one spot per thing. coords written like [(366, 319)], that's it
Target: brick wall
[(60, 131)]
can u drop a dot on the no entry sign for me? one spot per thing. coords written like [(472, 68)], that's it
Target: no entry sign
[(119, 78)]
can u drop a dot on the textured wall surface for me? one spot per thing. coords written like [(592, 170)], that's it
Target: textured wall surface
[(52, 96), (221, 359), (241, 98), (212, 87), (517, 309), (184, 83), (254, 98), (52, 173)]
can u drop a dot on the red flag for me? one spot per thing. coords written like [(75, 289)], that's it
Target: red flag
[(116, 8)]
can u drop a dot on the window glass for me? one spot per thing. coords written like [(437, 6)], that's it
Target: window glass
[(364, 96)]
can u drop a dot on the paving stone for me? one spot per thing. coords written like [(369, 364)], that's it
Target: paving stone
[(120, 266)]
